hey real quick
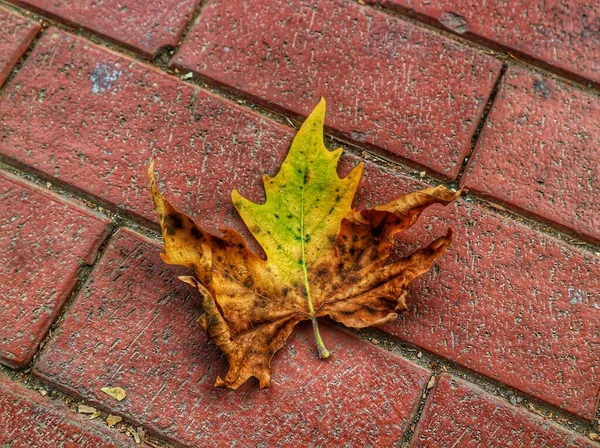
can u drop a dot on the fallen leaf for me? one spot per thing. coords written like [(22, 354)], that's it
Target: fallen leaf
[(594, 436), (43, 392), (323, 258), (95, 415), (84, 409), (431, 382), (131, 430), (116, 392), (112, 420)]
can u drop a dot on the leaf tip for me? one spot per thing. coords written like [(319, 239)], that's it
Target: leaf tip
[(236, 199), (151, 167), (318, 113)]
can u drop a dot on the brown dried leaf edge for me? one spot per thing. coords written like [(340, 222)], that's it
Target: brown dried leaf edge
[(251, 305)]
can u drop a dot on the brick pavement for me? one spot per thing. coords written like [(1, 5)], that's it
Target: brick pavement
[(507, 322)]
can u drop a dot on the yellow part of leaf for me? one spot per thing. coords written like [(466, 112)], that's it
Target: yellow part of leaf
[(323, 257), (115, 392), (84, 409), (306, 202), (112, 420)]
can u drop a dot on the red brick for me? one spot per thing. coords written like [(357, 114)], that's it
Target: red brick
[(461, 414), (97, 133), (16, 33), (29, 420), (134, 326), (145, 27), (558, 33), (508, 302), (230, 148), (45, 239), (540, 151), (390, 84)]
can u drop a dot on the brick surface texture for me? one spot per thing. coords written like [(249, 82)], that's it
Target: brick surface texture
[(134, 326), (94, 119), (526, 281), (44, 240), (462, 415), (390, 84), (16, 33), (563, 34), (506, 301), (539, 151), (145, 27), (513, 306), (28, 420)]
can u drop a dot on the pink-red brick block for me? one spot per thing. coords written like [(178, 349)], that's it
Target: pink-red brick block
[(506, 301), (44, 240), (28, 420), (389, 84), (134, 326), (16, 33), (459, 414), (205, 147), (540, 151), (510, 303), (145, 27), (563, 34), (94, 119)]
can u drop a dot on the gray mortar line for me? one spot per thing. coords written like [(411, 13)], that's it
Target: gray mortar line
[(402, 348), (56, 396), (438, 365), (489, 47), (151, 229), (411, 428), (481, 124)]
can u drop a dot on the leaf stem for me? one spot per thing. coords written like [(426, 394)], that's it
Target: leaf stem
[(323, 352)]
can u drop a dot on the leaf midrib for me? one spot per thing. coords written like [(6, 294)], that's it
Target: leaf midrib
[(302, 243)]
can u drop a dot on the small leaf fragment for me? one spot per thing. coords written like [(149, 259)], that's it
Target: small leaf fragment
[(115, 392), (112, 420), (95, 415), (84, 409), (131, 430), (431, 382)]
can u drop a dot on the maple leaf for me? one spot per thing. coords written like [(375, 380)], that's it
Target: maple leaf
[(322, 257)]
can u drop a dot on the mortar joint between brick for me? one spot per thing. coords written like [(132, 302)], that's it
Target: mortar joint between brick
[(482, 120), (120, 218), (191, 22), (414, 421), (536, 223), (489, 47), (17, 67), (438, 365), (83, 274), (55, 395)]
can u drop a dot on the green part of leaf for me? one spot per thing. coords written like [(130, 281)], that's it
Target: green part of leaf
[(306, 202)]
